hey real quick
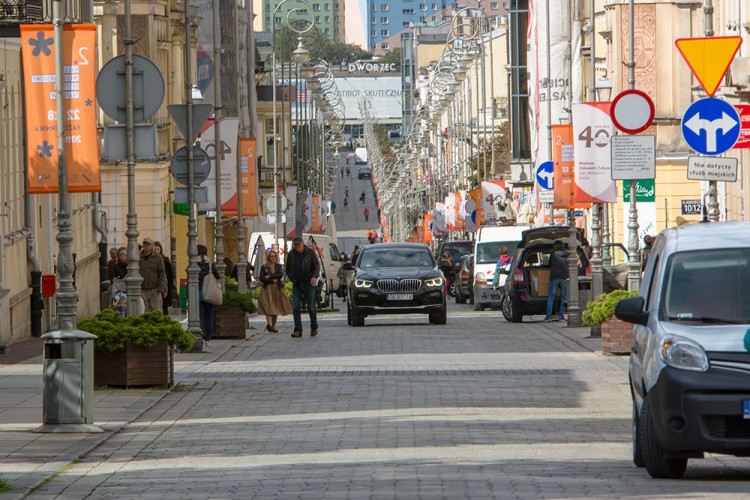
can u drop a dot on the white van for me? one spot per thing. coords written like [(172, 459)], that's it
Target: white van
[(325, 247), (486, 246)]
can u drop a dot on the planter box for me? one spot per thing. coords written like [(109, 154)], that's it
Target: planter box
[(229, 323), (617, 336), (135, 366)]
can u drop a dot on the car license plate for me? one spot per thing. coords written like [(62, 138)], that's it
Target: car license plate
[(746, 409), (400, 296)]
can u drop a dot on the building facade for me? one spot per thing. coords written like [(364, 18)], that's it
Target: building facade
[(327, 15)]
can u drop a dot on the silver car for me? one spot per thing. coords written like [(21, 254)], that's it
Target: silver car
[(690, 359)]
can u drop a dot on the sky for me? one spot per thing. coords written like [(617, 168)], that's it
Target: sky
[(355, 22)]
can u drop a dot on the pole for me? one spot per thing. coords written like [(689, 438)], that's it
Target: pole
[(194, 319), (241, 264), (550, 206), (133, 279), (713, 204), (574, 305), (275, 141), (218, 149), (67, 296), (634, 267), (597, 284)]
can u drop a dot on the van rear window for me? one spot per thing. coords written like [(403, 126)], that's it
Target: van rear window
[(487, 253)]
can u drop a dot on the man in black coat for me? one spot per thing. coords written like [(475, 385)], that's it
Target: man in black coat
[(303, 270)]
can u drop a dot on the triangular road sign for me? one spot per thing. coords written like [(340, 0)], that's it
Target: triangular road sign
[(201, 112), (709, 58)]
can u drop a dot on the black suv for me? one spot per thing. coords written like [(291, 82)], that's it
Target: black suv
[(528, 277), (395, 278)]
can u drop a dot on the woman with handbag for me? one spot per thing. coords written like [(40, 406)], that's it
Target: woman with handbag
[(273, 302), (206, 308)]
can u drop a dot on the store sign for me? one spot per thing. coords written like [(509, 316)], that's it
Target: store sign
[(368, 67)]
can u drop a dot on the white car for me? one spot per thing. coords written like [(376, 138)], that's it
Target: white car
[(690, 359)]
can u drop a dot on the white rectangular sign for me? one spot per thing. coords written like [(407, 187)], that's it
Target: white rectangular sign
[(712, 168), (546, 196), (633, 157)]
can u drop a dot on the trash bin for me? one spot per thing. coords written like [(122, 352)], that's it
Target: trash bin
[(585, 293), (68, 382)]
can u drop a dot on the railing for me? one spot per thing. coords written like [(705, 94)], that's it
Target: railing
[(14, 12)]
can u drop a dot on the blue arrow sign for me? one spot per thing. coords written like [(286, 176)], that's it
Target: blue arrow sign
[(711, 126), (545, 175)]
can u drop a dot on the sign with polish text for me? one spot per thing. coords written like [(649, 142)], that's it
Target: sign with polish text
[(248, 181), (592, 131), (79, 92)]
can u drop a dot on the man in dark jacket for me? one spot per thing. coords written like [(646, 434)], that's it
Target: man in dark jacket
[(558, 278), (154, 285), (303, 270)]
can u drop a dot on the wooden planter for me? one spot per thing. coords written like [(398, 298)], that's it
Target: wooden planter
[(617, 336), (230, 323), (135, 366)]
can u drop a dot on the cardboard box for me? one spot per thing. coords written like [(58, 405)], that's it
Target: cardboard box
[(539, 282)]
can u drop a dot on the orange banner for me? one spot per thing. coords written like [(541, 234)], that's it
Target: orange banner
[(79, 90), (564, 167), (249, 182), (476, 195), (315, 214), (427, 232)]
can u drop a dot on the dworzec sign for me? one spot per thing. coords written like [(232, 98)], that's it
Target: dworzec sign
[(371, 67)]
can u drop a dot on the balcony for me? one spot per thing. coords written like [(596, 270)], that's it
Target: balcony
[(13, 13)]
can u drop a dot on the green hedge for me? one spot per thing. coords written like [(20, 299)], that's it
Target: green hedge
[(233, 298), (146, 330), (602, 308)]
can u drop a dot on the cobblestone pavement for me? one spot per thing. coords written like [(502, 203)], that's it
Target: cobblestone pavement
[(479, 408)]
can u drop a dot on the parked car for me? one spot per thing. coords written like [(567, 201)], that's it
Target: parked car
[(689, 364), (395, 278), (464, 278), (364, 173), (525, 290)]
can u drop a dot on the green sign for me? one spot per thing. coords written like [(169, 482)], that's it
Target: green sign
[(184, 209), (645, 190)]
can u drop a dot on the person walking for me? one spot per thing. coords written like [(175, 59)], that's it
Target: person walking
[(229, 270), (206, 309), (342, 172), (303, 270), (333, 207), (447, 266), (648, 242), (355, 254), (363, 197), (502, 264), (346, 192), (118, 271), (348, 172), (367, 214), (558, 278), (273, 301), (346, 203), (154, 284), (111, 262), (171, 286)]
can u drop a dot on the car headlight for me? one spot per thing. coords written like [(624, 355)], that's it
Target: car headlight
[(363, 283), (434, 282), (682, 353), (479, 277)]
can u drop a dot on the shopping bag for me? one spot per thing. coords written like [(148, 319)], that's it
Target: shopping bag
[(211, 290)]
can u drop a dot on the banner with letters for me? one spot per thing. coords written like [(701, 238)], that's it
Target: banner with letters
[(493, 200), (228, 151), (592, 130), (290, 211), (564, 168), (79, 91), (249, 180)]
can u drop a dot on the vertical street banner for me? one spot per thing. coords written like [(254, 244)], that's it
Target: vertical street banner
[(306, 216), (564, 168), (493, 199), (290, 211), (459, 205), (226, 149), (426, 228), (476, 195), (79, 91), (438, 220), (592, 130), (450, 202), (249, 180), (315, 213)]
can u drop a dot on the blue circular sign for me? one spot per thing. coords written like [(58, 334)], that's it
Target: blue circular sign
[(711, 126), (545, 175)]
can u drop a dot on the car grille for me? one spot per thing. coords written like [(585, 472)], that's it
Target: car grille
[(727, 427), (408, 286)]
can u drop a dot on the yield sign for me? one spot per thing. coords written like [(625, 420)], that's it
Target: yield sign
[(709, 58)]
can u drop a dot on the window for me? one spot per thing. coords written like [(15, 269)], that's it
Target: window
[(434, 18), (519, 89), (336, 6), (422, 6), (383, 20), (384, 46), (408, 11), (373, 8), (384, 7), (434, 7), (335, 19), (422, 19), (373, 33), (384, 33), (327, 6), (493, 5), (278, 19), (316, 7), (327, 31), (317, 19), (327, 19), (270, 157), (373, 20)]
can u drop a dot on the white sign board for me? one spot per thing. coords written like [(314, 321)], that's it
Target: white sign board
[(546, 196), (381, 93), (712, 168), (633, 157)]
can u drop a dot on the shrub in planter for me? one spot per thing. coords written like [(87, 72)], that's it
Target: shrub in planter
[(137, 350), (602, 308), (617, 336), (233, 298), (230, 318), (147, 330)]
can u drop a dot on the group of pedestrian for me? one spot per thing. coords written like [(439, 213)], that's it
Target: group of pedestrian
[(372, 236), (158, 286)]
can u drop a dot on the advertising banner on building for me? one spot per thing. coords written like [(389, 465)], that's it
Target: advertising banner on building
[(382, 94), (248, 179), (291, 209), (438, 220), (493, 200), (450, 211), (227, 148), (79, 91), (592, 129)]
